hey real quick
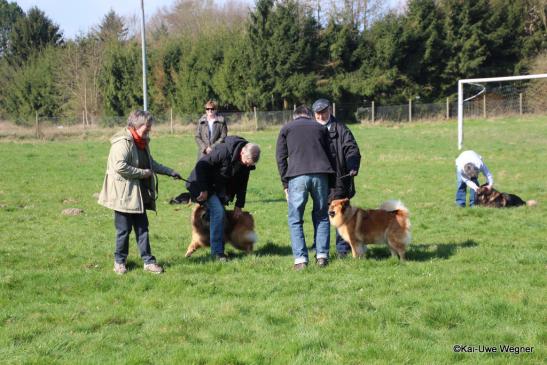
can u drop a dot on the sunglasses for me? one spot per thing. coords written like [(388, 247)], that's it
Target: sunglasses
[(209, 109)]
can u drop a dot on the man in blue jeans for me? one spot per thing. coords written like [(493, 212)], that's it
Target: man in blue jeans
[(305, 167), (217, 178), (345, 152), (468, 166)]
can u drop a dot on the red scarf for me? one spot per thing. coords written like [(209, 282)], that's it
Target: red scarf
[(139, 141)]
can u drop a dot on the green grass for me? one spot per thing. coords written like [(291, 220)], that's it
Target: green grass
[(473, 276)]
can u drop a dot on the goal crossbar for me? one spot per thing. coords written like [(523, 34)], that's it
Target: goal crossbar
[(487, 79)]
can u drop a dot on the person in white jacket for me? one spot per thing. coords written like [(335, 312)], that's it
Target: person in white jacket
[(468, 166)]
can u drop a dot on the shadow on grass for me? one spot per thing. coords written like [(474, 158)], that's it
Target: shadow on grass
[(271, 249), (423, 251), (266, 200)]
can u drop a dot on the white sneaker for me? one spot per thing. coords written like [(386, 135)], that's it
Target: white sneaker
[(153, 268), (119, 269)]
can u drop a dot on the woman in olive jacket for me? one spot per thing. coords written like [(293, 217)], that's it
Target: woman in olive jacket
[(211, 129), (130, 188)]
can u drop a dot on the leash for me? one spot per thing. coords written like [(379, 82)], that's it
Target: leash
[(344, 176)]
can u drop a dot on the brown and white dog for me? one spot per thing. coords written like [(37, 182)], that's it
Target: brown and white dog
[(388, 224), (239, 232), (494, 199)]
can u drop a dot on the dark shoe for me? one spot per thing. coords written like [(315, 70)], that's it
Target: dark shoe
[(183, 198), (220, 257), (322, 262), (300, 266)]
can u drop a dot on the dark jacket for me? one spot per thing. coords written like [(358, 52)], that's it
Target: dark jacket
[(303, 149), (204, 140), (346, 153), (221, 173)]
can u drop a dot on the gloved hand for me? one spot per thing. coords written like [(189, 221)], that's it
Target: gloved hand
[(353, 173), (147, 173), (175, 175)]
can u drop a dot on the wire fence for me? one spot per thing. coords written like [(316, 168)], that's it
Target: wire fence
[(500, 101)]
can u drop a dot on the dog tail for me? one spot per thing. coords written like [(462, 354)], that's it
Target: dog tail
[(531, 203), (392, 205), (402, 215)]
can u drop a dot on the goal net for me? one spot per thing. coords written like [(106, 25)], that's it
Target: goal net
[(494, 96)]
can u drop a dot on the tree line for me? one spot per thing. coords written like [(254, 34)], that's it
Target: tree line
[(271, 55)]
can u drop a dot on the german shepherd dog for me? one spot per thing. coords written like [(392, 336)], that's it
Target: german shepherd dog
[(239, 232), (495, 199), (388, 224)]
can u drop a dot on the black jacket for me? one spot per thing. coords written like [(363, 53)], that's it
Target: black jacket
[(346, 153), (221, 173), (303, 149)]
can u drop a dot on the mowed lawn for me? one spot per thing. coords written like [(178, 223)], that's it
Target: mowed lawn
[(474, 277)]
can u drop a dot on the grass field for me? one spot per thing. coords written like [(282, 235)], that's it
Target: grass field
[(474, 277)]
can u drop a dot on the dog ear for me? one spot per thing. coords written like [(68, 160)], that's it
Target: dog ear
[(345, 204)]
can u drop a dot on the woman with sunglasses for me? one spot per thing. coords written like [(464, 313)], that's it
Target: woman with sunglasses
[(211, 129)]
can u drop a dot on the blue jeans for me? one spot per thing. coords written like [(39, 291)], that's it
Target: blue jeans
[(461, 191), (216, 221), (342, 247), (318, 187)]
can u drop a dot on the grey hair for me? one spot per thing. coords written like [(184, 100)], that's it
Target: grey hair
[(138, 118), (470, 170), (302, 111), (252, 151)]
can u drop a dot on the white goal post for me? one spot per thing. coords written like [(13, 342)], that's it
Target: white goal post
[(461, 83)]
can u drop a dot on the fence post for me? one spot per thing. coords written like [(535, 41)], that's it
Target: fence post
[(447, 108), (256, 119), (410, 110), (334, 109), (37, 126), (484, 106), (172, 131), (372, 111), (520, 103)]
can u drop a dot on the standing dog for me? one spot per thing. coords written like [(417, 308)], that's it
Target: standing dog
[(239, 232), (494, 199), (388, 224)]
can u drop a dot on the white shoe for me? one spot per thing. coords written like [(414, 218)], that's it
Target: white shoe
[(153, 268), (119, 269)]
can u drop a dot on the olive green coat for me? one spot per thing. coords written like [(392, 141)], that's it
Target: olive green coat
[(121, 186)]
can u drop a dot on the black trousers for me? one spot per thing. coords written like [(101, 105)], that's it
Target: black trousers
[(124, 223)]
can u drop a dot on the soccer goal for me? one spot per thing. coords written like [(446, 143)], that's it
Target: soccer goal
[(506, 95)]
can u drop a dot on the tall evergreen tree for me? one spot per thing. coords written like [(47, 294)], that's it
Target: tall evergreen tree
[(9, 13), (34, 88), (423, 48), (31, 34), (112, 28), (466, 29), (120, 79), (283, 39)]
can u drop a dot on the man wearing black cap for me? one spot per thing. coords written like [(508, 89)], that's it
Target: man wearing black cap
[(345, 152)]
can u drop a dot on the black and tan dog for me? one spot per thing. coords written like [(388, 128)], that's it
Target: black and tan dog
[(494, 199), (388, 224), (239, 232)]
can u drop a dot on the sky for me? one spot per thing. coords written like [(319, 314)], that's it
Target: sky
[(78, 16)]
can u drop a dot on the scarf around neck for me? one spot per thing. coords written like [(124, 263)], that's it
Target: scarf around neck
[(139, 141)]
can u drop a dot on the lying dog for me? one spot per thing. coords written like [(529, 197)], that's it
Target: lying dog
[(388, 224), (494, 199), (239, 232)]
